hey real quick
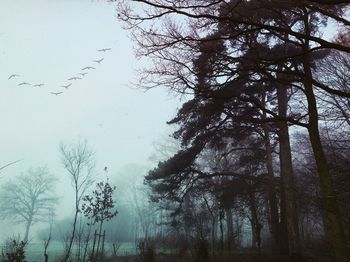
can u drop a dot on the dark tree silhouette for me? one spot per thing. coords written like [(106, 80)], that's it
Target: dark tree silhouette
[(273, 42), (99, 207)]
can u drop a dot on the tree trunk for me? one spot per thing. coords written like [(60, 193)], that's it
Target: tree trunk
[(255, 225), (221, 226), (98, 252), (26, 234), (283, 232), (334, 220), (213, 231), (74, 226), (333, 217), (287, 176), (271, 188), (229, 228)]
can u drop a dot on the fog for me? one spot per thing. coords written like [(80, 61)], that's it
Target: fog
[(48, 42), (157, 130)]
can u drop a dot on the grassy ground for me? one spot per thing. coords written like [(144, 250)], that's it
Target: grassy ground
[(127, 253), (35, 250)]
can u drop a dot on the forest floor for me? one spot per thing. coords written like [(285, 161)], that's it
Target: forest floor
[(34, 251), (236, 256), (127, 253)]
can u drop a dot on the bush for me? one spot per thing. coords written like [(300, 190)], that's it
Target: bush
[(13, 250)]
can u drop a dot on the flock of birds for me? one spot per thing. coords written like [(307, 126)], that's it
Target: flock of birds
[(74, 78)]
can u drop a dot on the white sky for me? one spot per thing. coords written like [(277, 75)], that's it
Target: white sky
[(49, 41)]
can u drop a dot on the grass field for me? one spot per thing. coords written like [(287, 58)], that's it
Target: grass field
[(35, 250)]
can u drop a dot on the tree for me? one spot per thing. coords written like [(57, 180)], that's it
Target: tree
[(78, 160), (99, 207), (28, 198), (275, 41)]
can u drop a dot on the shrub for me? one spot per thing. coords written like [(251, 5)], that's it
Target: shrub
[(13, 250)]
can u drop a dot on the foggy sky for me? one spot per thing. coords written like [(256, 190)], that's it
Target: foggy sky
[(49, 41)]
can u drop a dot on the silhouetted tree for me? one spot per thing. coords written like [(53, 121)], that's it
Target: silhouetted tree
[(275, 42), (99, 207)]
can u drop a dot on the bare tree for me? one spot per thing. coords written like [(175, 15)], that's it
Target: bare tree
[(78, 160), (28, 198)]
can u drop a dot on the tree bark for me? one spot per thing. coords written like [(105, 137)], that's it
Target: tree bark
[(287, 177)]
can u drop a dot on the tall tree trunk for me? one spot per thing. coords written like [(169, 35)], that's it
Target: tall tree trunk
[(333, 217), (334, 220), (287, 176), (254, 221), (283, 232), (221, 226), (271, 188), (229, 228)]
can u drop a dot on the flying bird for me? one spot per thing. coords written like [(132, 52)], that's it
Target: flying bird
[(23, 83), (82, 74), (104, 49), (38, 85), (105, 169), (98, 60), (56, 93), (74, 78), (88, 67), (12, 76), (66, 86)]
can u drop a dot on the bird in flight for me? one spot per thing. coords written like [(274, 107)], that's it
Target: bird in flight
[(105, 169), (104, 49), (88, 67), (74, 78), (66, 86), (56, 93), (82, 74), (98, 60), (23, 83), (38, 85), (12, 76)]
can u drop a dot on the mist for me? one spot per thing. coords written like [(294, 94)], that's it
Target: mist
[(186, 131)]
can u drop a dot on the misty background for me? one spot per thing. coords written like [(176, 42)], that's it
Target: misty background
[(48, 42)]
